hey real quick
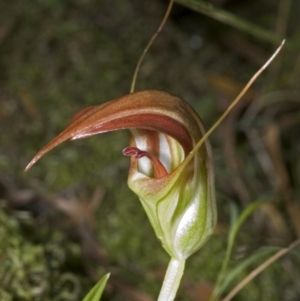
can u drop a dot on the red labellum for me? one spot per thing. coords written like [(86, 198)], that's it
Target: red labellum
[(159, 168)]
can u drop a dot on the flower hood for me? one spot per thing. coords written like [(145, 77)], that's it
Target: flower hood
[(178, 194)]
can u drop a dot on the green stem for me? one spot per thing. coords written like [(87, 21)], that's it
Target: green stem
[(230, 19), (172, 280)]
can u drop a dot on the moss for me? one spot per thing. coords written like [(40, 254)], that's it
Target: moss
[(37, 267)]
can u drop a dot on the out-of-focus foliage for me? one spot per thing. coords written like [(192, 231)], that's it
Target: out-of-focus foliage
[(57, 57)]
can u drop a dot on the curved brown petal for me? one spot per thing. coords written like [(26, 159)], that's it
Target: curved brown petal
[(150, 110)]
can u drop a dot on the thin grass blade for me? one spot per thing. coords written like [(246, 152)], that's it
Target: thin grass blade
[(96, 292)]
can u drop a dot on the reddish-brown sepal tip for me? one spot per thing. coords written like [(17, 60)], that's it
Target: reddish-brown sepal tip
[(29, 165)]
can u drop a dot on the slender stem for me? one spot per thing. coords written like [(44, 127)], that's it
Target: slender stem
[(260, 268), (191, 155), (161, 26), (172, 280)]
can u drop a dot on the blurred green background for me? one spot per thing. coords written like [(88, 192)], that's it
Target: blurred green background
[(72, 217)]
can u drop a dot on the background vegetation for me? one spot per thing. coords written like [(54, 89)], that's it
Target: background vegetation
[(72, 217)]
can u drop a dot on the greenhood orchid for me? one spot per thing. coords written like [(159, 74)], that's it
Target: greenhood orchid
[(178, 196), (171, 168)]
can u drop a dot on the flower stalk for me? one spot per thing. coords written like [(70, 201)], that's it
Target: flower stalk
[(172, 280)]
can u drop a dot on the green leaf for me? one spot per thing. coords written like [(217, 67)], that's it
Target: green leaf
[(236, 223), (244, 215), (234, 214), (96, 292), (257, 256)]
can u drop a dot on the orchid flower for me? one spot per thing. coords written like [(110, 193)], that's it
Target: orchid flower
[(177, 194), (179, 198)]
